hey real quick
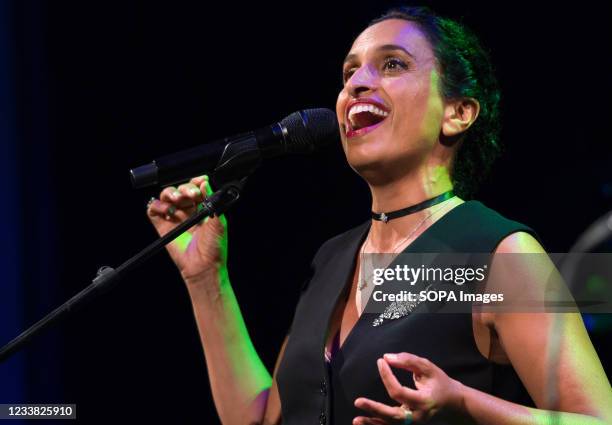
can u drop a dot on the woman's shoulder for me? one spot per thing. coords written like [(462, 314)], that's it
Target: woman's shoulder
[(476, 227), (478, 211)]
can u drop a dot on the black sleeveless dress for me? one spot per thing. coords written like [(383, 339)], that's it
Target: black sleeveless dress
[(313, 391)]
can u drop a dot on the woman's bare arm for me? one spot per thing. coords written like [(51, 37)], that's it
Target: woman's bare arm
[(550, 351), (243, 391)]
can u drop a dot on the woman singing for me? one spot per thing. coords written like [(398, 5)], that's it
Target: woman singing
[(418, 117)]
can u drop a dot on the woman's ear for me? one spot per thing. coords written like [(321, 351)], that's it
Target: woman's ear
[(459, 115)]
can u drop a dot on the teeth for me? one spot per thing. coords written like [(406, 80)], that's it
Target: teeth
[(361, 107)]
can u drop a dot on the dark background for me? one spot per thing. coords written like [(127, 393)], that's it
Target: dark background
[(94, 88)]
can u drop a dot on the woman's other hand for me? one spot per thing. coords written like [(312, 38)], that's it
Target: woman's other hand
[(435, 392)]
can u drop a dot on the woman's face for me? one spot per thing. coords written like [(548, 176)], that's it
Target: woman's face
[(390, 109)]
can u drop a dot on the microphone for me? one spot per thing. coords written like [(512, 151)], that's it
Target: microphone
[(236, 157)]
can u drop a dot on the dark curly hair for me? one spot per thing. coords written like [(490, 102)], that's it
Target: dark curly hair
[(466, 71)]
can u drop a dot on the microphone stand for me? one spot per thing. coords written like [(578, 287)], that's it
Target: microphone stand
[(107, 277)]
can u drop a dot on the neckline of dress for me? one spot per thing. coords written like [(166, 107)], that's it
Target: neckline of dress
[(337, 347)]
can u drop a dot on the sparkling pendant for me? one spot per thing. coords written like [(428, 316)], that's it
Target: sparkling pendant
[(384, 218), (396, 310)]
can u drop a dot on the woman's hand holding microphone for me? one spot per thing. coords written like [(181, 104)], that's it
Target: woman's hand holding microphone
[(201, 252)]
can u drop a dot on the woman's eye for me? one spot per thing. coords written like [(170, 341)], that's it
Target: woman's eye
[(346, 74), (394, 64), (389, 64)]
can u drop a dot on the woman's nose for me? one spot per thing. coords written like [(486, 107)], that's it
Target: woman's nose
[(363, 79)]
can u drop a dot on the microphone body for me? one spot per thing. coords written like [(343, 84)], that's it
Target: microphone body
[(238, 156)]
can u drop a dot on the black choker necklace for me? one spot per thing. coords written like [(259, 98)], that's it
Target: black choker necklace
[(385, 217)]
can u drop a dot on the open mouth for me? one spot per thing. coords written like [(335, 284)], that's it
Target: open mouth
[(363, 118)]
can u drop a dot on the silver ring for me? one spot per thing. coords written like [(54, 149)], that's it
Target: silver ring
[(150, 202)]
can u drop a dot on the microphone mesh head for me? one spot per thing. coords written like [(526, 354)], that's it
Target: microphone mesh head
[(310, 129)]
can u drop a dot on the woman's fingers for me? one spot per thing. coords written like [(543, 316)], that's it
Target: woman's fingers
[(175, 204), (186, 196), (169, 194), (391, 414), (416, 364), (161, 209), (178, 203), (394, 388), (192, 192), (199, 180), (364, 420), (205, 187)]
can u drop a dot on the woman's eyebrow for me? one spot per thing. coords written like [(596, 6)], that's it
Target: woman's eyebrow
[(390, 47), (383, 48)]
